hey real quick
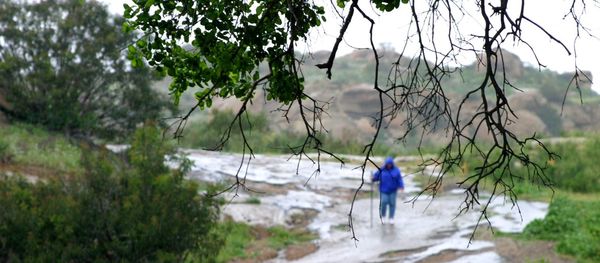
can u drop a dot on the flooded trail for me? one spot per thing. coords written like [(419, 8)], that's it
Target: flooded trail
[(424, 231)]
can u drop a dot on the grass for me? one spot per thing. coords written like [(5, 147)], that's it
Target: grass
[(252, 200), (541, 260), (574, 225), (281, 237), (29, 145), (240, 236)]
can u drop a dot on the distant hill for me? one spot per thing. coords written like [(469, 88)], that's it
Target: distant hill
[(352, 101)]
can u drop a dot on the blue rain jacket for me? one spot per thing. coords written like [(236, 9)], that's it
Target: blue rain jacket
[(390, 179)]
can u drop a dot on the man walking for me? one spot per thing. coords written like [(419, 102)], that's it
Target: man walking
[(390, 181)]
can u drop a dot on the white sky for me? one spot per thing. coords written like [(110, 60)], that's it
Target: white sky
[(392, 28)]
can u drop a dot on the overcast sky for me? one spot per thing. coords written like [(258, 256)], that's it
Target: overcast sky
[(392, 28)]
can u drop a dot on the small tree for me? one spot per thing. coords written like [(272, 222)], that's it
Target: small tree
[(63, 65)]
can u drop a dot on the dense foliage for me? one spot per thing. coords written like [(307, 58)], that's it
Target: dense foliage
[(123, 212), (229, 40), (577, 168), (63, 65)]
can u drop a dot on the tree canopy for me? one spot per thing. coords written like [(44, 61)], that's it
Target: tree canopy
[(217, 49), (63, 64)]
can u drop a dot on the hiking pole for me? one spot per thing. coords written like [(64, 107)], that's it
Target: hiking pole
[(371, 209)]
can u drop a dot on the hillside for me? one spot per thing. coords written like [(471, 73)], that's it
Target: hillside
[(352, 102), (538, 104)]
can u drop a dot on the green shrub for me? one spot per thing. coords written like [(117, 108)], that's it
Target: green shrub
[(125, 212), (577, 168)]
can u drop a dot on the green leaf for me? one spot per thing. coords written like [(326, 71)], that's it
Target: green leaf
[(149, 3), (126, 28), (223, 93), (176, 98), (253, 19), (234, 77), (202, 95), (171, 72), (126, 11), (141, 43), (256, 76)]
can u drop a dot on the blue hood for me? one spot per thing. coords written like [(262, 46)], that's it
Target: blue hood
[(389, 160)]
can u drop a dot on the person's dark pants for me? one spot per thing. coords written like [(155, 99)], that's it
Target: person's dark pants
[(388, 199)]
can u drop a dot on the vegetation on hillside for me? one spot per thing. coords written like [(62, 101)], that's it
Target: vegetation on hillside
[(27, 145), (357, 68), (259, 134), (574, 168)]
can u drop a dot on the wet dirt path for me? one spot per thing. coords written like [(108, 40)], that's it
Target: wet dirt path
[(424, 230)]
